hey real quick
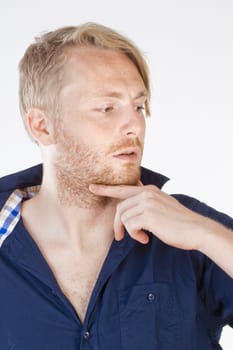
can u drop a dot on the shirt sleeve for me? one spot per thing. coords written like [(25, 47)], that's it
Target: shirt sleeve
[(216, 287)]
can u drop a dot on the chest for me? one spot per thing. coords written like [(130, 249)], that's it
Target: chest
[(77, 278)]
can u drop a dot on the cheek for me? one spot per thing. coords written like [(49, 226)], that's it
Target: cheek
[(143, 126), (100, 134)]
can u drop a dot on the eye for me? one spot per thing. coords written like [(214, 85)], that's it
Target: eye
[(106, 109), (140, 108)]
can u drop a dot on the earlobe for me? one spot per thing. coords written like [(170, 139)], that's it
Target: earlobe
[(39, 126)]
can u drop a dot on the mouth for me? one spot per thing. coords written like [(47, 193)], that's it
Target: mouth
[(129, 154)]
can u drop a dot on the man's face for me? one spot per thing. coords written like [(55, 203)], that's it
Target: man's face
[(100, 136)]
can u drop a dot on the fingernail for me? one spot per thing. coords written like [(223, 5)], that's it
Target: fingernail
[(92, 187)]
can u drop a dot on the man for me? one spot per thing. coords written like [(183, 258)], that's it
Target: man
[(93, 254)]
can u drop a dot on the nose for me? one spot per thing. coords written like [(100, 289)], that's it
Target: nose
[(133, 123)]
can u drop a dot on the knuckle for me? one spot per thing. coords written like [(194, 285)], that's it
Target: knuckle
[(130, 226), (120, 208), (153, 188), (148, 193), (124, 217)]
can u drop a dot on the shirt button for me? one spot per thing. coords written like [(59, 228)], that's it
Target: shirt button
[(151, 296), (86, 335)]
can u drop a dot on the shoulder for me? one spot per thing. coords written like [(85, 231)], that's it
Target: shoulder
[(21, 179)]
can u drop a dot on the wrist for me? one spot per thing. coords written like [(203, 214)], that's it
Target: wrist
[(205, 234)]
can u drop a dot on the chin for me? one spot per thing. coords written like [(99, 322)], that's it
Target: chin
[(127, 177)]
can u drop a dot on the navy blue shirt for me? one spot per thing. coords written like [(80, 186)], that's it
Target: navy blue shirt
[(152, 297)]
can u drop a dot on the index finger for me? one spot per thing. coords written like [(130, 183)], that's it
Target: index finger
[(115, 191)]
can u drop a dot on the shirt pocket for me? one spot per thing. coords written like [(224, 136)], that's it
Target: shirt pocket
[(148, 317)]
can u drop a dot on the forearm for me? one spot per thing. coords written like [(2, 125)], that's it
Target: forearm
[(217, 244)]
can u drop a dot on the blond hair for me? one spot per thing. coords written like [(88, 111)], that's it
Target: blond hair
[(41, 69)]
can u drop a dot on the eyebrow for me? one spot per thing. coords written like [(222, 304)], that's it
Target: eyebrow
[(142, 93)]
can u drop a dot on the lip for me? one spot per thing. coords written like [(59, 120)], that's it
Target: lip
[(128, 154)]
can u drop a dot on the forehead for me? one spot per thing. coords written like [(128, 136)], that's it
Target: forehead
[(96, 68), (91, 58)]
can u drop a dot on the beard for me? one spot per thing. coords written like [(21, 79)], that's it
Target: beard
[(79, 165)]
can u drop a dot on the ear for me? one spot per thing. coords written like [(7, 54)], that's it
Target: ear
[(39, 126)]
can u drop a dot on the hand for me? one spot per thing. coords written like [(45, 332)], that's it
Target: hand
[(148, 208)]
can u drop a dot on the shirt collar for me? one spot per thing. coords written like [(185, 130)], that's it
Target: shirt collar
[(10, 213)]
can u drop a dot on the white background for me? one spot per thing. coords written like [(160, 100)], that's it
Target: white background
[(189, 48)]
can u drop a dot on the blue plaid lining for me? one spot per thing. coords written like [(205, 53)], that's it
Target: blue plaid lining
[(10, 213)]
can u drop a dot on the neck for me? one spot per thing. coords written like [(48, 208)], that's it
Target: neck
[(83, 225)]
